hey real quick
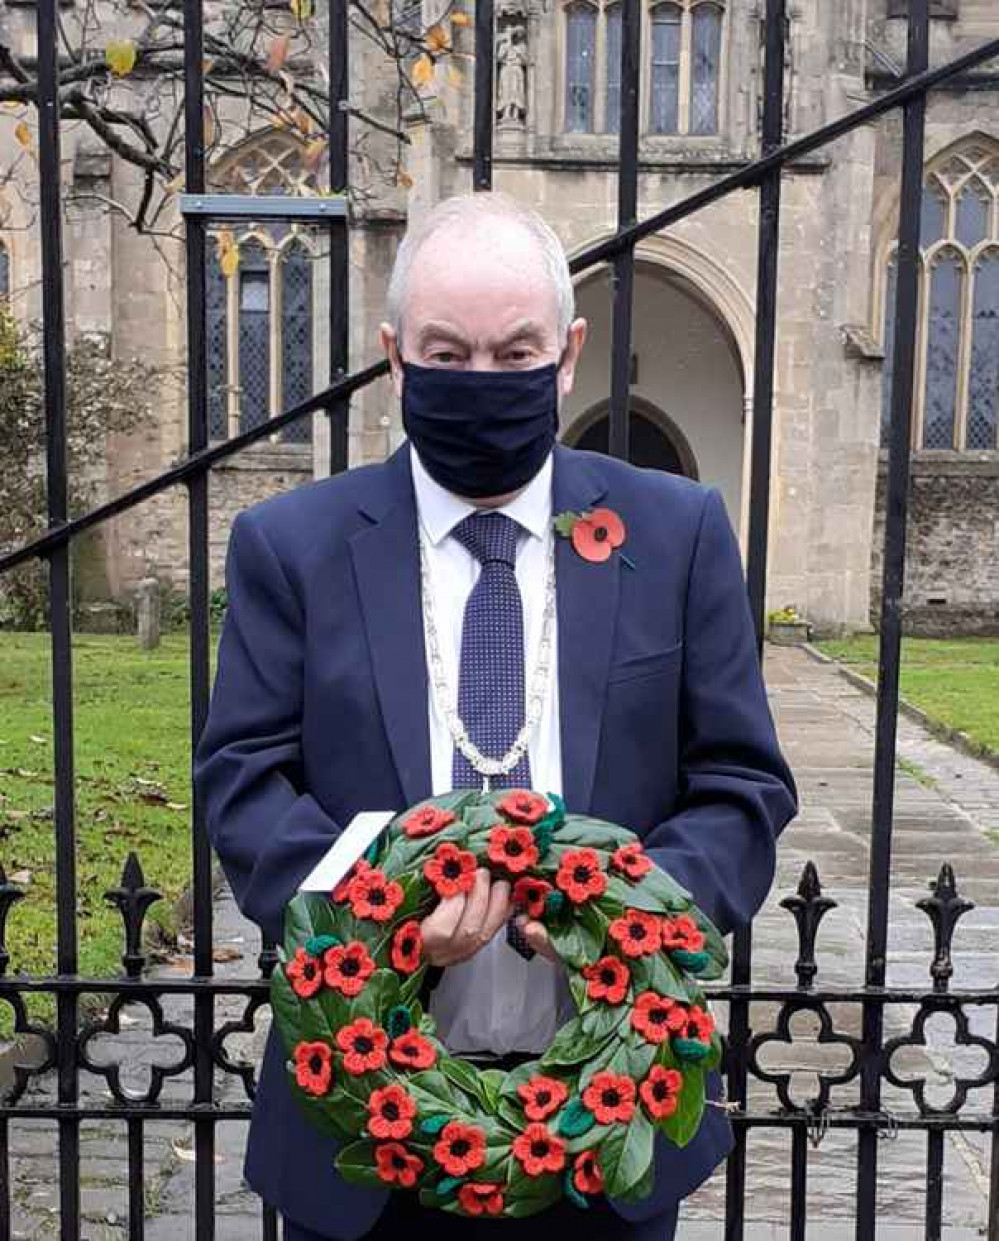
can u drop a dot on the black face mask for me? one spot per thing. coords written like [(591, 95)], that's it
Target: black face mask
[(480, 433)]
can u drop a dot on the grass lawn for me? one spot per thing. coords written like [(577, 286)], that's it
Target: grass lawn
[(954, 681), (132, 789)]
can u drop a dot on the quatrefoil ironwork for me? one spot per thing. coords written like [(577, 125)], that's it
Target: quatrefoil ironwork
[(111, 1025), (10, 894), (23, 1072), (243, 1069), (827, 1036), (963, 1037)]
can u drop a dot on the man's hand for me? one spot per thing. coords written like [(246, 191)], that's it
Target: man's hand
[(462, 925), (536, 936)]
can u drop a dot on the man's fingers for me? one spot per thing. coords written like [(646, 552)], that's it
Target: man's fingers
[(537, 937), (468, 936), (439, 927), (498, 911)]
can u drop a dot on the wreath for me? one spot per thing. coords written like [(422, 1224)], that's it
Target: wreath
[(366, 1064)]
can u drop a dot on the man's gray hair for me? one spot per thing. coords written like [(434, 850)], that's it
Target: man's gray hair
[(474, 210)]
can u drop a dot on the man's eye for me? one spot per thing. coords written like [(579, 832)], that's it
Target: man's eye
[(518, 355), (443, 357)]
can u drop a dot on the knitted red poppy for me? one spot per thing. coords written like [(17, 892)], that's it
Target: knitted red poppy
[(427, 821), (610, 1097), (542, 1096), (586, 1174), (656, 1017), (529, 895), (373, 896), (460, 1149), (698, 1024), (481, 1198), (683, 933), (638, 933), (597, 533), (579, 875), (306, 974), (363, 1044), (412, 1051), (607, 980), (342, 890), (660, 1092), (313, 1067), (396, 1165), (451, 870), (538, 1150), (631, 860), (523, 806), (390, 1112), (513, 848), (407, 947), (348, 967)]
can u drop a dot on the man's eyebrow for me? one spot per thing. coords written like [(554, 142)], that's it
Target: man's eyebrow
[(434, 328), (525, 328)]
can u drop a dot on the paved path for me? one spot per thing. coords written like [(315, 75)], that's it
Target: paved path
[(946, 804)]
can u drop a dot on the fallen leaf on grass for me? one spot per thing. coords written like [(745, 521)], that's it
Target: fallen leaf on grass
[(225, 953), (21, 876)]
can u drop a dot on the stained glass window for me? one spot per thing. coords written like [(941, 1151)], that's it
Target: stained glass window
[(665, 83), (943, 342), (217, 343), (296, 337), (957, 406), (254, 335), (704, 69), (612, 95), (581, 51), (983, 395)]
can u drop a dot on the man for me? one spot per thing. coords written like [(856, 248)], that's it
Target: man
[(372, 614)]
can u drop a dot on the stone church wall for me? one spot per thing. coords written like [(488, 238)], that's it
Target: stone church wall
[(952, 547)]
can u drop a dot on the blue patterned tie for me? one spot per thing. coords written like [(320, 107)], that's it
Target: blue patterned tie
[(491, 676)]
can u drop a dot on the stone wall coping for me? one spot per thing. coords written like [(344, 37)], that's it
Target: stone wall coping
[(948, 461)]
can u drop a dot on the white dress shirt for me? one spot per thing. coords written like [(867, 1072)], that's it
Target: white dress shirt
[(497, 1002)]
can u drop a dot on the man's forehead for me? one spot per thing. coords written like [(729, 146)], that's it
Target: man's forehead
[(504, 331)]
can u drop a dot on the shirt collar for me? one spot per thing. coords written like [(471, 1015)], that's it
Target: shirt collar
[(440, 510)]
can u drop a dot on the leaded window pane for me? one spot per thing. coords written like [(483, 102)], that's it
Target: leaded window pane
[(581, 47), (933, 217), (706, 41), (665, 77), (296, 338), (612, 102), (888, 366), (217, 346), (983, 396), (942, 351), (254, 336), (973, 210)]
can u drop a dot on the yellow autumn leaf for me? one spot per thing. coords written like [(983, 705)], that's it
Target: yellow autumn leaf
[(423, 71), (460, 19), (313, 153), (119, 55), (22, 133), (303, 122), (437, 39), (278, 53), (404, 179), (302, 9)]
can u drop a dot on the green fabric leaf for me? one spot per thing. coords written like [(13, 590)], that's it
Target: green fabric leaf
[(434, 1124), (625, 1155), (318, 944), (657, 973), (564, 523), (372, 851), (380, 995), (686, 1120), (490, 1085), (573, 1045), (572, 1193), (447, 1187), (575, 1119), (398, 1021), (690, 962), (580, 831), (356, 1164), (554, 905), (691, 1049)]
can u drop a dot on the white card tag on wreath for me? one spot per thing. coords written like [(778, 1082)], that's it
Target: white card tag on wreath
[(346, 849)]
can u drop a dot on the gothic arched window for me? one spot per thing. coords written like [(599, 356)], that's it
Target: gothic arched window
[(957, 370), (682, 46), (262, 303)]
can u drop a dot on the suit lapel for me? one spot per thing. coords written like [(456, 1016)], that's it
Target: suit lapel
[(387, 569), (587, 603)]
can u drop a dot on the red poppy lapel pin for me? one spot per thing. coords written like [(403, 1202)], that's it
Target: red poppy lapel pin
[(595, 535)]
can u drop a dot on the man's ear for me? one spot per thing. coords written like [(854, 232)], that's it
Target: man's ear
[(390, 344), (575, 338)]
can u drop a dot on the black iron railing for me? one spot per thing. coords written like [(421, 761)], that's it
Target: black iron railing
[(66, 1047)]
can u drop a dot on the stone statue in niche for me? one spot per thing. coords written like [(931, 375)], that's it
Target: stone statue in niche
[(511, 81)]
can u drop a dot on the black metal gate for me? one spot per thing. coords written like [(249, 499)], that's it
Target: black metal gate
[(871, 1053)]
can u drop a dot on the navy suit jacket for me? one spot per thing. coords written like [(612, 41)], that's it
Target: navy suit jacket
[(319, 711)]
